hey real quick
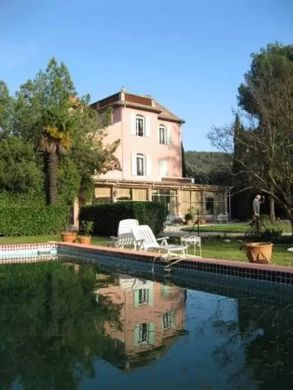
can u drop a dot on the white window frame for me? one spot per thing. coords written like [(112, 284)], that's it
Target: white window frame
[(144, 333), (143, 296), (163, 135), (140, 126), (168, 320), (140, 164)]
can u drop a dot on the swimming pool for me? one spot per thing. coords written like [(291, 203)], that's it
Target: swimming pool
[(70, 325)]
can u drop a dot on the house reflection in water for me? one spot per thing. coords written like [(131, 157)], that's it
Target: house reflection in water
[(151, 317)]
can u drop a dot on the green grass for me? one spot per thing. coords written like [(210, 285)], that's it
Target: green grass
[(36, 239), (235, 227), (29, 239), (232, 250), (215, 248)]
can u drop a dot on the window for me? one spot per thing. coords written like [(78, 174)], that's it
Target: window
[(163, 134), (210, 205), (140, 126), (168, 320), (143, 296), (143, 333), (140, 165)]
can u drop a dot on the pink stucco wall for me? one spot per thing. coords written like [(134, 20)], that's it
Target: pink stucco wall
[(123, 128)]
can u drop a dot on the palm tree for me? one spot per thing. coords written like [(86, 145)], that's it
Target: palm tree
[(54, 142)]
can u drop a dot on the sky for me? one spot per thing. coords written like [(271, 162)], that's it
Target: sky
[(190, 55)]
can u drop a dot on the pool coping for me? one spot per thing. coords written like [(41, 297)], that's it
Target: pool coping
[(266, 272)]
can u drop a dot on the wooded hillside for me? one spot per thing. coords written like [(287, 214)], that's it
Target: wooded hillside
[(209, 167)]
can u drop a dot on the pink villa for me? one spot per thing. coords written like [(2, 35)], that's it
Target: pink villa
[(150, 155), (152, 316)]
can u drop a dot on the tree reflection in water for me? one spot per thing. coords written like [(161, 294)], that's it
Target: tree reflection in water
[(51, 326)]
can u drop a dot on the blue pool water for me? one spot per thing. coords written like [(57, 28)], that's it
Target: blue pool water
[(65, 325)]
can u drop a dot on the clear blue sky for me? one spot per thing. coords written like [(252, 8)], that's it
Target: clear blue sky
[(190, 55)]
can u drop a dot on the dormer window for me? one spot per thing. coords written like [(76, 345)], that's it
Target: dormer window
[(163, 135), (140, 125)]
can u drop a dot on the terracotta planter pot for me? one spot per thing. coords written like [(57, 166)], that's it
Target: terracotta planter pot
[(259, 252), (68, 236), (85, 240)]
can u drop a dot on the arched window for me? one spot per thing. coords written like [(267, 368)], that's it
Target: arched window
[(140, 125)]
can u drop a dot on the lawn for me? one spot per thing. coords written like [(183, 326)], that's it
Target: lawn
[(35, 239), (216, 248), (242, 227)]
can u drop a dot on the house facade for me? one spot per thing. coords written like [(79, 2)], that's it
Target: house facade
[(150, 156), (152, 317)]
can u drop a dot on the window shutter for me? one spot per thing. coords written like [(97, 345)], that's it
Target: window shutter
[(133, 164), (136, 334), (166, 168), (152, 332), (169, 135), (135, 297), (148, 165), (163, 168), (151, 296), (173, 319), (132, 123), (147, 127)]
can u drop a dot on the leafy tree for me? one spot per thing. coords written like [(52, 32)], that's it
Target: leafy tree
[(43, 108), (6, 110), (88, 152), (60, 124), (184, 172), (265, 146), (20, 170)]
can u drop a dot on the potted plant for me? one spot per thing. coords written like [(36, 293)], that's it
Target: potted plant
[(260, 247), (69, 234), (85, 232), (259, 252), (188, 218)]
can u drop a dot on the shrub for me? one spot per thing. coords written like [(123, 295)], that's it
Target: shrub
[(34, 220), (8, 199), (106, 217), (268, 230)]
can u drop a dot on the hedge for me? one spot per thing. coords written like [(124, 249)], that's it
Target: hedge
[(106, 217), (33, 220)]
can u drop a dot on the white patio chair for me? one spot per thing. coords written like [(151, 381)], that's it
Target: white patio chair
[(125, 225), (146, 240), (222, 218), (124, 235), (192, 240)]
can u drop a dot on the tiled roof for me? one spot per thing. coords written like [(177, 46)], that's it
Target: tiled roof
[(137, 101), (166, 114)]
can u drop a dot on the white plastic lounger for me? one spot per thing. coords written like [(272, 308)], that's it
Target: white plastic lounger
[(124, 237), (147, 241), (125, 225)]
